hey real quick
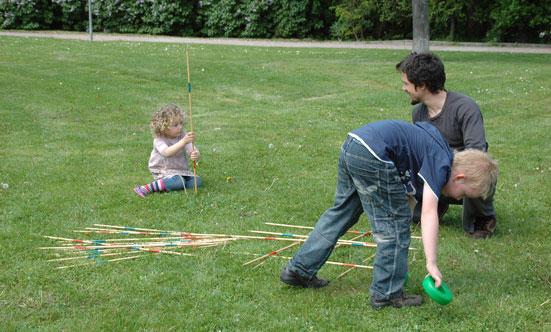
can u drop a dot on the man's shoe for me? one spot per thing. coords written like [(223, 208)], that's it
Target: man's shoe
[(291, 278), (398, 302), (484, 227)]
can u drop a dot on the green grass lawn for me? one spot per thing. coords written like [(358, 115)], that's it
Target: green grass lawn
[(75, 140)]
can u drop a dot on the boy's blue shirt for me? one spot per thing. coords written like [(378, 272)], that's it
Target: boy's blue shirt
[(418, 151)]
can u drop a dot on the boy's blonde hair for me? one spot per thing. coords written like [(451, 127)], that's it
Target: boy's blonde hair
[(163, 118), (480, 170)]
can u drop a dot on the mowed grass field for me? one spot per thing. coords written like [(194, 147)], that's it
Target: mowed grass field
[(74, 141)]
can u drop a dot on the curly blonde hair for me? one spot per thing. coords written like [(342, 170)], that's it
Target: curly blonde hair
[(164, 117)]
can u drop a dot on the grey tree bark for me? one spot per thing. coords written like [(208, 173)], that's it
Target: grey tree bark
[(421, 32)]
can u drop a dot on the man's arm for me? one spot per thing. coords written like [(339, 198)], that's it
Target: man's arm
[(472, 125)]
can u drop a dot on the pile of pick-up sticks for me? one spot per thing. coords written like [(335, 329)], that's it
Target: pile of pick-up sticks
[(137, 241)]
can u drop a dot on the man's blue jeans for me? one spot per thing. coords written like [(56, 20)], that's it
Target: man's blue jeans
[(365, 184)]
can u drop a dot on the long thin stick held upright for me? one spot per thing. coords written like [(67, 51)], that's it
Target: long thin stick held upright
[(191, 120)]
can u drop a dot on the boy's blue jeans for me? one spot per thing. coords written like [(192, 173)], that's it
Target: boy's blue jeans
[(178, 182), (367, 185)]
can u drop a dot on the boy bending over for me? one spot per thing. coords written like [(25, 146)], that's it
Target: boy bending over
[(382, 168)]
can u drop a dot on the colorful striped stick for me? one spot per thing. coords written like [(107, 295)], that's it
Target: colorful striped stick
[(113, 231), (156, 231), (328, 262), (130, 228), (175, 238), (181, 236), (229, 236), (99, 262), (89, 256), (148, 245), (348, 242), (308, 227), (271, 253), (352, 268), (280, 234), (279, 250), (345, 242), (158, 251), (204, 236), (101, 245), (191, 120), (355, 238)]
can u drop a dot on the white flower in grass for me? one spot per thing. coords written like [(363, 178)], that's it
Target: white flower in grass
[(5, 185)]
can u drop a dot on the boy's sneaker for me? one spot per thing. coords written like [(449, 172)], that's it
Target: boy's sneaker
[(398, 302), (484, 227), (139, 191), (294, 279)]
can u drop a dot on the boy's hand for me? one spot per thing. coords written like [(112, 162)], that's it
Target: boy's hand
[(189, 138), (435, 273), (194, 155)]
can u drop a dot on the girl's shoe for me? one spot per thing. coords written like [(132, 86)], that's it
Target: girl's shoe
[(139, 191)]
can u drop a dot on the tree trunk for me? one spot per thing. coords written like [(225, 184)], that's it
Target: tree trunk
[(452, 28), (420, 26)]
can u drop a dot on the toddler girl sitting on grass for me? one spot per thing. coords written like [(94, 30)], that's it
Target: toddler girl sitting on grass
[(168, 162)]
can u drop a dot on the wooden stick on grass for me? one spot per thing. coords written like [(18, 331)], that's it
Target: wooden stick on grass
[(99, 262), (327, 262), (309, 227), (271, 253), (191, 120), (352, 268)]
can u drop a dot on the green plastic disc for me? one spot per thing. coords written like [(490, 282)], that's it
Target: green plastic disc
[(441, 295), (407, 278)]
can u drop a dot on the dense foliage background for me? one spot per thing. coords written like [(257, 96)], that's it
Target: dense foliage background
[(461, 20)]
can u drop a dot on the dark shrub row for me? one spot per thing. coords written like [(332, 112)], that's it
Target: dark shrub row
[(490, 20)]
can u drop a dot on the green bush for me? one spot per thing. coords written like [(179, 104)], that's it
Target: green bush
[(460, 20), (303, 18), (216, 18), (144, 16), (372, 19), (27, 14), (491, 20), (520, 20), (72, 15), (266, 18)]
